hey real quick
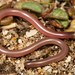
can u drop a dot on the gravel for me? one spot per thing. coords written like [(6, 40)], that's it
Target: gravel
[(14, 39)]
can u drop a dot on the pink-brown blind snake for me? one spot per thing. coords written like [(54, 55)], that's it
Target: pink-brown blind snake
[(52, 39)]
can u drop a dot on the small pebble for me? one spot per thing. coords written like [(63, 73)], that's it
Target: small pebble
[(18, 61), (19, 41), (30, 72), (5, 32), (31, 33), (69, 73), (8, 36), (48, 69), (68, 59), (28, 43), (55, 71), (12, 25)]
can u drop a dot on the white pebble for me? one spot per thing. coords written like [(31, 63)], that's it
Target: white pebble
[(31, 33), (8, 36), (12, 25), (48, 68), (28, 43), (18, 61), (69, 73), (5, 32), (19, 41), (68, 59), (55, 71)]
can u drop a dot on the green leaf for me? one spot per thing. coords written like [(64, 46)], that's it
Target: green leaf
[(59, 14), (64, 23), (34, 6)]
